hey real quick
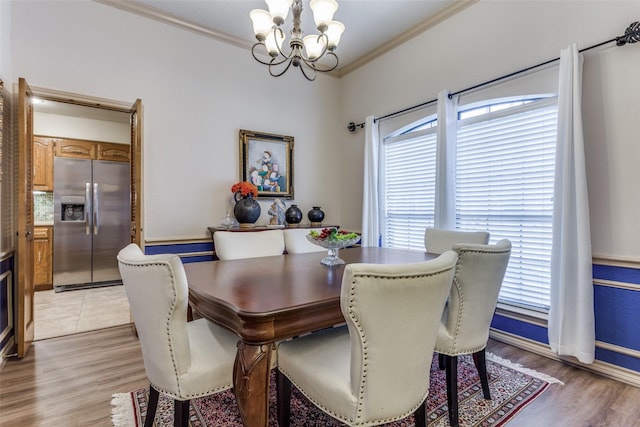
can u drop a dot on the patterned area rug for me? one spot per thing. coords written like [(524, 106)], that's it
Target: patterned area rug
[(512, 388)]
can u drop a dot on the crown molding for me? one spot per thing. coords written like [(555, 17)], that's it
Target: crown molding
[(152, 13)]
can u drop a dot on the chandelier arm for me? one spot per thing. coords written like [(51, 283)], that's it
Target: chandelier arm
[(310, 67), (291, 53), (264, 62), (275, 65), (321, 68), (324, 48), (335, 65)]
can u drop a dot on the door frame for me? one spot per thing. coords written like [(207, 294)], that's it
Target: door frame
[(24, 332), (135, 111), (25, 287)]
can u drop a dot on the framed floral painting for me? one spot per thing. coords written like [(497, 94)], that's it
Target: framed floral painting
[(266, 160)]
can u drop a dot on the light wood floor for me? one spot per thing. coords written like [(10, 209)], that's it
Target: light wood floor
[(68, 381)]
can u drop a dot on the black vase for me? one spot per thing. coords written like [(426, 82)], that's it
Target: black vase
[(293, 216), (316, 216), (246, 211)]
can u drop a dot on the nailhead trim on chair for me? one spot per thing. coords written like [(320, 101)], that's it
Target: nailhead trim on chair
[(459, 318), (181, 396), (364, 364), (462, 301)]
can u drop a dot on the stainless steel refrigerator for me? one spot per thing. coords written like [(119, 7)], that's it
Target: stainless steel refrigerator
[(91, 221)]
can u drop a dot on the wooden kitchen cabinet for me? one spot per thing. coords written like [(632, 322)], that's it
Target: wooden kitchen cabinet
[(80, 149), (75, 148), (42, 163), (113, 152), (43, 258)]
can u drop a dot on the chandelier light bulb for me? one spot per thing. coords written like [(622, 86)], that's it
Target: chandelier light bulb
[(262, 23), (334, 31), (279, 9), (323, 11), (313, 45), (273, 42)]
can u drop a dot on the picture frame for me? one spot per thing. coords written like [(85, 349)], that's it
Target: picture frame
[(266, 160)]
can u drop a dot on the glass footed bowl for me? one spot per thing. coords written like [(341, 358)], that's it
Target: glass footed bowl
[(333, 246)]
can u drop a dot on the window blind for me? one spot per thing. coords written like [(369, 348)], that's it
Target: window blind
[(408, 188), (504, 184)]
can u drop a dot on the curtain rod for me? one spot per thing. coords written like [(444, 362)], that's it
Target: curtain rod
[(631, 35)]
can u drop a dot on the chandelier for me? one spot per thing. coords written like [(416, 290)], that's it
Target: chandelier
[(304, 52)]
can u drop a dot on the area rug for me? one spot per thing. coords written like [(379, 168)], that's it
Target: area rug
[(512, 388)]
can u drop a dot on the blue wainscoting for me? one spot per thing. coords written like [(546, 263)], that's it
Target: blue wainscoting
[(617, 311), (617, 317), (6, 303), (617, 274), (520, 328), (188, 251)]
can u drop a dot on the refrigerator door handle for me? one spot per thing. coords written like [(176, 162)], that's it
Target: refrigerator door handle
[(87, 208), (96, 208)]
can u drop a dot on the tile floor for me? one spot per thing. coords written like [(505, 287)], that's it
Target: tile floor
[(81, 310)]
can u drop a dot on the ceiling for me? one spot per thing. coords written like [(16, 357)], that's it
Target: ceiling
[(372, 26)]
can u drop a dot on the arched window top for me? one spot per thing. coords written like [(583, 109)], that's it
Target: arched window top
[(474, 110)]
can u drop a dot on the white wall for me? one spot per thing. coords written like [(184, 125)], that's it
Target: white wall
[(48, 124), (197, 93), (494, 38)]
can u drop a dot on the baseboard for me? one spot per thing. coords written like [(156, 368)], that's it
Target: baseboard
[(90, 285), (605, 369)]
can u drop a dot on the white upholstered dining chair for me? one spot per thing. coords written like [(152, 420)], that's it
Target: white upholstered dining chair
[(249, 244), (437, 240), (182, 360), (295, 241), (373, 371), (464, 328)]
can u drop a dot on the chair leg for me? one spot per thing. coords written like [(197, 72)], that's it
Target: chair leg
[(441, 361), (480, 361), (452, 389), (180, 413), (283, 393), (420, 415), (152, 406)]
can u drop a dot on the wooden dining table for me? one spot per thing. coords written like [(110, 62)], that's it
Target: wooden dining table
[(270, 299)]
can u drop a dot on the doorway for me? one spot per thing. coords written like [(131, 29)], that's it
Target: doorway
[(90, 308)]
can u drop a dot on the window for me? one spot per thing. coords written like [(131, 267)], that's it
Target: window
[(505, 160), (408, 176)]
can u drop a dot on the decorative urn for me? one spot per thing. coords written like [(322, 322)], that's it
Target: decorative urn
[(315, 215), (247, 209), (293, 216)]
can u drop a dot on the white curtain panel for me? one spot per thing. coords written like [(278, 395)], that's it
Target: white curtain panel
[(370, 203), (571, 316), (445, 200)]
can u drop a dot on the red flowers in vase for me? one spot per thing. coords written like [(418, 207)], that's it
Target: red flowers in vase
[(245, 189)]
